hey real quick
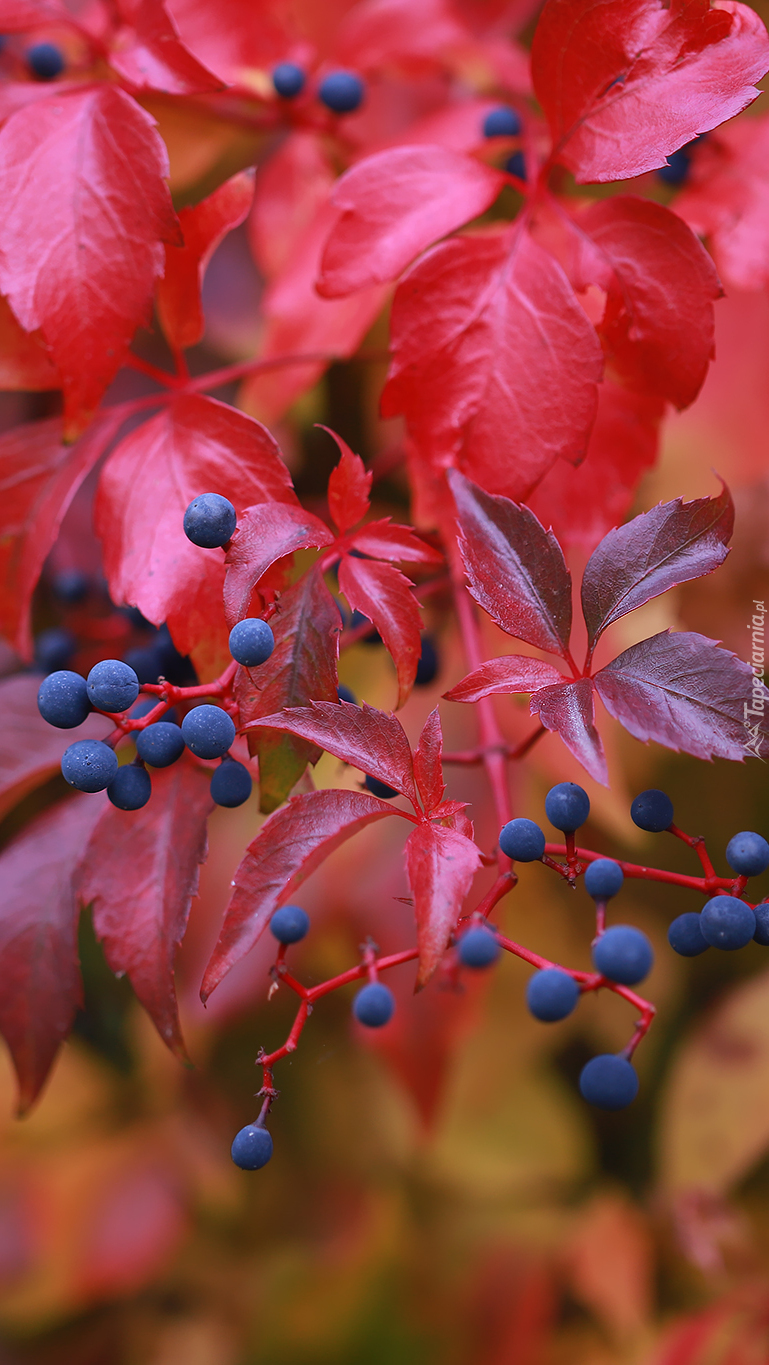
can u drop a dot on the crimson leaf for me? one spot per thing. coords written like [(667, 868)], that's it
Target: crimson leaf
[(383, 594), (30, 748), (428, 768), (149, 54), (569, 710), (510, 673), (349, 486), (384, 540), (440, 866), (265, 534)]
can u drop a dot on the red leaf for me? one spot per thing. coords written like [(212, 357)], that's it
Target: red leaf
[(658, 327), (440, 866), (349, 486), (38, 938), (289, 846), (292, 186), (30, 748), (265, 534), (385, 541), (39, 477), (228, 38), (380, 33), (472, 323), (79, 257), (366, 738), (195, 445), (673, 543), (301, 668), (18, 15), (24, 362), (515, 567), (148, 52), (727, 200), (385, 596), (627, 82), (510, 673), (685, 692), (569, 710), (428, 768), (393, 205), (140, 873), (203, 226)]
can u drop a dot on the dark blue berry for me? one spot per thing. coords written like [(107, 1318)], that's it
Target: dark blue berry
[(112, 686), (551, 994), (374, 1005), (71, 586), (603, 879), (478, 947), (685, 935), (727, 923), (130, 788), (502, 122), (289, 80), (762, 924), (748, 854), (378, 788), (251, 642), (63, 699), (624, 954), (210, 521), (89, 765), (208, 731), (160, 744), (567, 806), (676, 168), (289, 924), (427, 668), (344, 694), (522, 840), (342, 92), (252, 1148), (175, 667), (45, 61), (231, 784), (652, 810), (609, 1082), (516, 165), (54, 649)]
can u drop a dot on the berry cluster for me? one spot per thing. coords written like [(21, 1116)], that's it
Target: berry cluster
[(341, 91)]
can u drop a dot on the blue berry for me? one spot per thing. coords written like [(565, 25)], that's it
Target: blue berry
[(748, 854), (289, 924), (210, 521), (160, 744), (342, 92), (567, 806), (624, 954), (208, 731), (45, 61), (762, 924), (522, 840), (603, 879), (378, 788), (252, 1148), (685, 935), (54, 649), (374, 1005), (344, 694), (551, 994), (427, 668), (130, 788), (112, 686), (231, 784), (609, 1082), (652, 810), (251, 642), (478, 947), (727, 923), (62, 699), (89, 765), (71, 586), (516, 165), (502, 122), (174, 666), (676, 168), (289, 80)]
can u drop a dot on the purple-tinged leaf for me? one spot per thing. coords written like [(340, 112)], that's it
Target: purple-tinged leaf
[(570, 711), (440, 866), (428, 768), (266, 533), (510, 673), (383, 594)]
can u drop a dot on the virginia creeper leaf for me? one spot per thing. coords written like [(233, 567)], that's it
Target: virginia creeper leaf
[(685, 692), (18, 15), (673, 543), (266, 533), (148, 52), (384, 540), (428, 768), (440, 866), (79, 260), (289, 846), (291, 188), (625, 83), (38, 938), (203, 227), (471, 322), (726, 199), (349, 486), (383, 594), (569, 709), (394, 204), (510, 673), (30, 748), (24, 362), (139, 873), (515, 567)]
